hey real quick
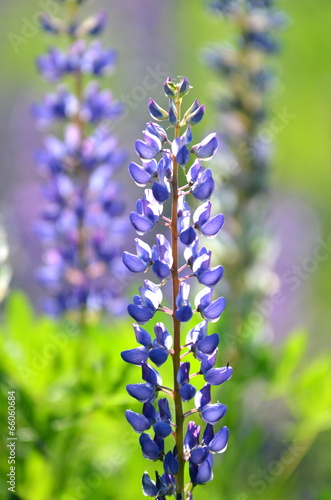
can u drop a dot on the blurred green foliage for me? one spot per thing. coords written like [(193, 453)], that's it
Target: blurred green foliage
[(74, 442)]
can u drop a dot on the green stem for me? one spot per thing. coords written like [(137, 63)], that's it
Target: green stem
[(78, 172), (176, 324), (80, 175), (72, 8)]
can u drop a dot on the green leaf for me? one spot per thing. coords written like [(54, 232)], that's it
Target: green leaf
[(289, 360)]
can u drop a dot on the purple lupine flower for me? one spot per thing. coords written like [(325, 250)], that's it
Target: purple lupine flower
[(200, 456), (186, 232), (186, 390), (244, 152), (82, 229), (158, 171), (141, 261), (148, 213), (146, 304), (162, 257), (209, 309), (201, 343), (157, 351), (90, 59)]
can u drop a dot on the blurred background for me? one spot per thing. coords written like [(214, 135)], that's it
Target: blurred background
[(74, 442)]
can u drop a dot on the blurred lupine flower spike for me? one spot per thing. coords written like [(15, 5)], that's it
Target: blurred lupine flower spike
[(82, 227), (244, 161), (176, 257)]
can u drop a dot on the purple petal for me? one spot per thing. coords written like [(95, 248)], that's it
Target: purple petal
[(199, 455), (188, 236), (204, 188), (213, 226), (170, 464), (212, 413), (183, 373), (144, 151), (138, 422), (203, 298), (197, 333), (139, 174), (184, 87), (184, 314), (217, 376), (203, 397), (149, 487), (162, 429), (163, 337), (208, 344), (214, 310), (187, 392), (149, 448), (202, 214), (135, 356), (207, 148), (208, 362), (191, 439), (150, 412), (208, 434), (180, 151), (142, 336), (150, 375), (141, 392), (158, 355), (220, 442), (165, 413), (141, 223), (160, 192), (156, 111), (205, 472), (211, 277), (134, 263), (161, 270), (141, 314), (196, 117)]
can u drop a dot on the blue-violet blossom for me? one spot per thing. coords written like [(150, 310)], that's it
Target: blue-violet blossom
[(82, 229), (161, 160), (246, 73)]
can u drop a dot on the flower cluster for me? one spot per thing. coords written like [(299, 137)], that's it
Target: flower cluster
[(246, 142), (163, 163), (82, 228)]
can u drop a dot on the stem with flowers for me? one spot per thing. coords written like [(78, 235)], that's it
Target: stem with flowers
[(81, 229), (161, 162)]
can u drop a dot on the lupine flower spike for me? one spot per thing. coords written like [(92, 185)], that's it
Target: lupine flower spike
[(245, 67), (82, 230), (166, 432)]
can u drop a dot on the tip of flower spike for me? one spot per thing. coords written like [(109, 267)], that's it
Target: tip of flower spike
[(173, 90)]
